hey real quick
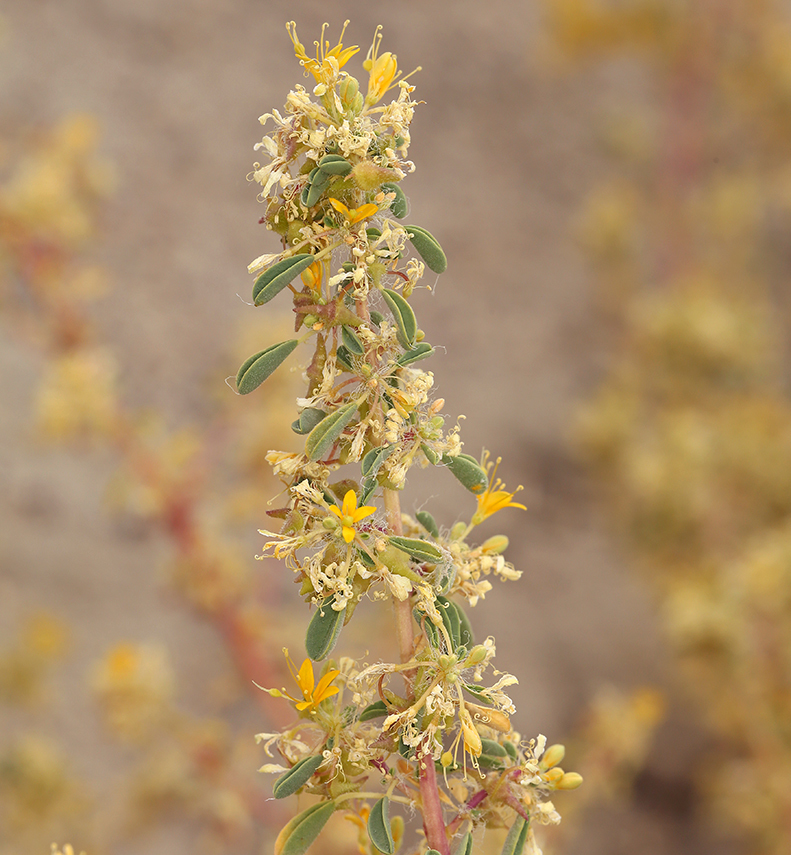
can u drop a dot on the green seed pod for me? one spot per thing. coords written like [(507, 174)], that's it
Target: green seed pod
[(296, 777), (404, 317), (399, 205), (323, 630), (328, 430), (428, 522), (517, 836), (467, 471), (303, 829), (261, 365), (352, 341), (308, 419), (334, 164), (428, 248), (379, 827), (420, 550), (422, 351), (272, 281), (372, 711)]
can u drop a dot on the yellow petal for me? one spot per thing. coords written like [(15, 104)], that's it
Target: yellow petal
[(336, 510), (339, 206), (348, 534), (349, 503), (322, 690), (305, 678), (363, 512), (361, 213)]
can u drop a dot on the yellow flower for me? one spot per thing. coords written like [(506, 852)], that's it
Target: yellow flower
[(494, 498), (312, 694), (382, 70), (349, 514), (328, 62), (354, 215)]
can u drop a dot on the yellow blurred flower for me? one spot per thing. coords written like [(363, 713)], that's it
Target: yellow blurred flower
[(494, 498)]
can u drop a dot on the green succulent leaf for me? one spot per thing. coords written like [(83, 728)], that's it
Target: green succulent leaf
[(428, 522), (421, 351), (318, 184), (465, 845), (334, 164), (510, 750), (467, 471), (374, 710), (273, 280), (352, 341), (379, 827), (344, 357), (517, 836), (492, 748), (373, 460), (303, 829), (428, 248), (308, 419), (261, 365), (296, 777), (404, 317), (399, 205), (418, 549), (328, 430), (323, 630)]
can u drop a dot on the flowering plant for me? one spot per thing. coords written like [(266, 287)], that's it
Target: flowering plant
[(427, 732)]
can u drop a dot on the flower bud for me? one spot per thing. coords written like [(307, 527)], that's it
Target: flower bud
[(330, 523), (553, 776), (457, 530), (446, 759), (551, 757), (495, 545), (570, 781), (477, 655), (472, 739), (348, 90)]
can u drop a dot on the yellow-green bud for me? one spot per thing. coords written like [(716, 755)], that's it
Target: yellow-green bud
[(330, 523), (457, 530), (554, 775), (477, 655), (368, 175), (348, 91), (446, 759), (570, 781), (551, 757), (495, 545)]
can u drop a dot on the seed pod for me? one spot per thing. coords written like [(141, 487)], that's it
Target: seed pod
[(423, 350), (379, 827), (308, 419), (428, 248), (296, 777), (303, 829), (467, 471), (323, 630), (420, 550), (328, 430), (259, 366), (334, 164), (374, 710), (352, 341), (399, 205), (517, 836), (428, 522), (272, 281), (404, 317)]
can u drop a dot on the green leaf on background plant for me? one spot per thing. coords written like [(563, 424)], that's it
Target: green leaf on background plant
[(428, 522), (323, 630), (272, 281), (328, 430), (334, 164), (296, 777), (371, 463), (259, 366)]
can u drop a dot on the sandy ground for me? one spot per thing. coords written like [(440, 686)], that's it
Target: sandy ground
[(506, 151)]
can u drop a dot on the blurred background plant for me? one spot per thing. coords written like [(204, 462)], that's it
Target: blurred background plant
[(690, 430)]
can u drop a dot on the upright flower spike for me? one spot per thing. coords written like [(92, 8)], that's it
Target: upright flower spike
[(369, 409)]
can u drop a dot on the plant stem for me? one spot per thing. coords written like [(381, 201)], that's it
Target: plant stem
[(433, 821)]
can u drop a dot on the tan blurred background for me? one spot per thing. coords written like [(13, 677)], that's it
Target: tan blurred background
[(507, 149)]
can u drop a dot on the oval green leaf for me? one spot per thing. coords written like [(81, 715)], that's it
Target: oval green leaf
[(323, 630), (334, 164), (372, 711), (318, 184), (418, 549), (328, 430), (308, 419), (468, 472), (371, 463), (450, 617), (492, 748), (352, 341), (272, 281), (428, 248), (517, 836), (258, 367), (379, 827), (399, 205), (421, 351), (296, 777), (428, 522), (303, 829), (404, 317)]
